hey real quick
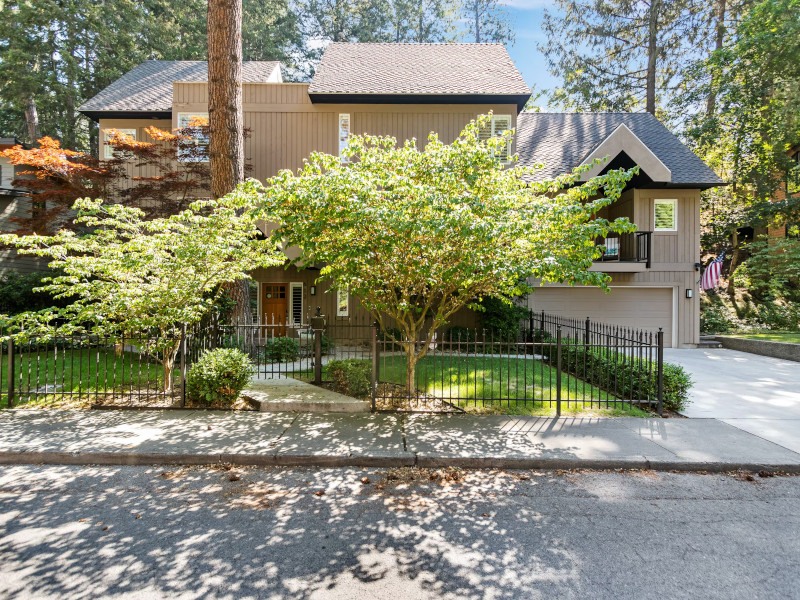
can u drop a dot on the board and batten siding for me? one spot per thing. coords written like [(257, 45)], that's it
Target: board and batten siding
[(674, 255), (285, 126)]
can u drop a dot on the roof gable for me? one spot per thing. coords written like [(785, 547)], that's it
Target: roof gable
[(378, 69), (148, 87), (563, 141), (623, 140)]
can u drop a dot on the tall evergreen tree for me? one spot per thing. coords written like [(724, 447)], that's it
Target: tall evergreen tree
[(619, 54), (486, 21)]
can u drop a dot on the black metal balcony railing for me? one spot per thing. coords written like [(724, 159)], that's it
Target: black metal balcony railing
[(628, 247)]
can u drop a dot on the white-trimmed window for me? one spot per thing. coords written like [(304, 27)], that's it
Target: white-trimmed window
[(344, 133), (196, 149), (665, 215), (108, 149), (342, 303), (296, 303), (497, 125)]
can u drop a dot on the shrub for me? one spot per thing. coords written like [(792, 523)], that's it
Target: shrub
[(617, 372), (283, 349), (461, 339), (502, 319), (17, 295), (351, 377), (327, 344), (218, 376), (714, 318)]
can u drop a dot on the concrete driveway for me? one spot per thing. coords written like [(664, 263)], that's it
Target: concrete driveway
[(758, 394)]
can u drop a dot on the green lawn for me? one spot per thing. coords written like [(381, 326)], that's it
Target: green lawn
[(80, 372), (467, 380), (789, 338)]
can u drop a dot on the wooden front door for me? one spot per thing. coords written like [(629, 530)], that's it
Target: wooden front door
[(274, 307)]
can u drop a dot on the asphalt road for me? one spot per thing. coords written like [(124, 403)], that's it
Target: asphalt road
[(144, 532)]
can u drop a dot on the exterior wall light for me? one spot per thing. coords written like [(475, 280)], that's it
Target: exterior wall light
[(689, 292)]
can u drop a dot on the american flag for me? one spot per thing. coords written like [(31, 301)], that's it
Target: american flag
[(710, 277)]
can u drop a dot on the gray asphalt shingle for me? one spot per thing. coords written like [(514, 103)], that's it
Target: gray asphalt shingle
[(367, 68), (148, 87), (563, 140)]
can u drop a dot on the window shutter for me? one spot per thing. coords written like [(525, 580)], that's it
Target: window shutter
[(344, 131), (665, 215), (502, 123), (297, 303)]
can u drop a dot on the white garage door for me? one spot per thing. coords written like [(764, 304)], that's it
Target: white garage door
[(640, 308)]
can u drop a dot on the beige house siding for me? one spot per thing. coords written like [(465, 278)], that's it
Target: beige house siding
[(674, 255)]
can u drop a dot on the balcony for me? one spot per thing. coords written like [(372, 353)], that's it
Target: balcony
[(625, 252)]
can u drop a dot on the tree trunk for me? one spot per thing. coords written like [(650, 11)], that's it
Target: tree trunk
[(652, 57), (32, 119), (226, 144), (226, 139), (721, 10), (732, 267), (411, 369)]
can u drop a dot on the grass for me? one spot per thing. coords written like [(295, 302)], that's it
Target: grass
[(76, 375), (467, 380), (789, 338)]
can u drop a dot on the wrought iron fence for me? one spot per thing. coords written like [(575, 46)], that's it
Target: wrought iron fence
[(547, 363)]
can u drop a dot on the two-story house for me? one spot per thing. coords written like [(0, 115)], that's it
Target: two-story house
[(409, 90)]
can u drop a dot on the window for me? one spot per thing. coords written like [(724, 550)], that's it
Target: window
[(194, 125), (496, 127), (342, 303), (344, 133), (665, 213), (108, 149), (296, 300)]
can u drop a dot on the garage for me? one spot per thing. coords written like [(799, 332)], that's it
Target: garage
[(637, 307)]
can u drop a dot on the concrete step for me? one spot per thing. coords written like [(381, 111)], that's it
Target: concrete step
[(292, 395)]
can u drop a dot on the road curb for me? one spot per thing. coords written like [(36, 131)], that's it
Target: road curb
[(149, 459)]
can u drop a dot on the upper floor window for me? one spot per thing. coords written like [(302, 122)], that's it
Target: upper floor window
[(195, 125), (497, 125), (344, 133), (665, 215), (342, 303), (108, 149)]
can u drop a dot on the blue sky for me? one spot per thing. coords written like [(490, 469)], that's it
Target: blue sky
[(526, 19)]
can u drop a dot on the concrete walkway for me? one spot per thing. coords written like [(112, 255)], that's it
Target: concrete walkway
[(202, 437), (757, 394)]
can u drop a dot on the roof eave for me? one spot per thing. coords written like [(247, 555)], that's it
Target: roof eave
[(441, 98), (96, 115)]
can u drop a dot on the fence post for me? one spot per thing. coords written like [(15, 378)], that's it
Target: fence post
[(10, 372), (558, 372), (541, 322), (375, 363), (214, 330), (317, 356), (183, 365), (530, 325), (586, 332), (660, 359)]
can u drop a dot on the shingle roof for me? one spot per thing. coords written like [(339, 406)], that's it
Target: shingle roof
[(148, 87), (366, 68), (563, 140)]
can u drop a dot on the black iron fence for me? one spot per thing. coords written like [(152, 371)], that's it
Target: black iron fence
[(547, 363)]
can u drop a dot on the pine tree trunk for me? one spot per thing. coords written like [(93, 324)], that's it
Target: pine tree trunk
[(226, 144), (721, 10), (226, 139), (32, 119), (652, 57)]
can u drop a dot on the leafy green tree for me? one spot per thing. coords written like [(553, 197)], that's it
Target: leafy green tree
[(143, 277), (418, 234), (750, 90), (423, 20)]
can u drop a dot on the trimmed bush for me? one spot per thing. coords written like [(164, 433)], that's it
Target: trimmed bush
[(219, 376), (283, 349), (619, 373), (351, 377), (390, 337)]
